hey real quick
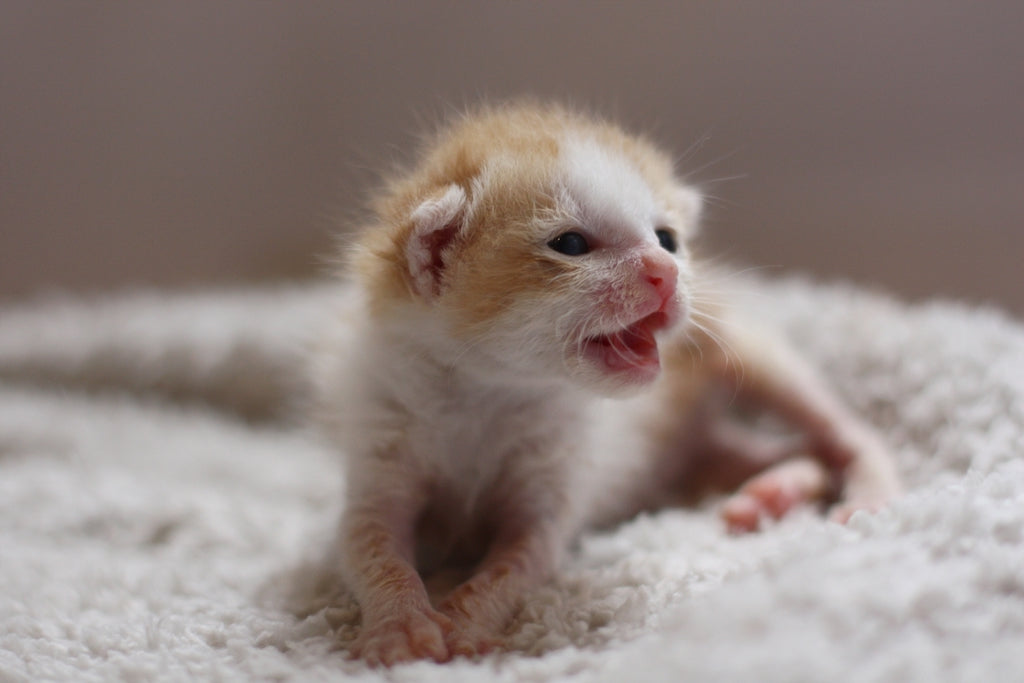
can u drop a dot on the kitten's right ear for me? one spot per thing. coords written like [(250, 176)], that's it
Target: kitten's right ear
[(437, 224)]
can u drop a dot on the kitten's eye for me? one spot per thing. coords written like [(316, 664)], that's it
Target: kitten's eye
[(570, 244), (667, 239)]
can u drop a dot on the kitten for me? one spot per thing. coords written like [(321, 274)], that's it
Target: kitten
[(532, 354)]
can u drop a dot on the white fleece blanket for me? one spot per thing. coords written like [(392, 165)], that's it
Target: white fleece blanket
[(161, 518)]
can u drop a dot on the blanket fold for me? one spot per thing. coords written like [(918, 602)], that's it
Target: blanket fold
[(242, 350)]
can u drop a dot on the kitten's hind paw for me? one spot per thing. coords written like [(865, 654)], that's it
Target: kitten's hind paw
[(775, 492)]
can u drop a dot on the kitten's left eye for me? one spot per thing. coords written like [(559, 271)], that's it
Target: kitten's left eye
[(667, 239)]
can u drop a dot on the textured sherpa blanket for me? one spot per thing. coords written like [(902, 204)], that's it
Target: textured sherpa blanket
[(163, 518)]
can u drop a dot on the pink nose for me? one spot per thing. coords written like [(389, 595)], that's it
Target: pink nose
[(661, 271)]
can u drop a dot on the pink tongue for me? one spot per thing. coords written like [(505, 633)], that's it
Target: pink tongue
[(639, 339), (632, 347)]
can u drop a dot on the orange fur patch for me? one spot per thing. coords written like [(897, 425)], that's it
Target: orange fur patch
[(501, 258)]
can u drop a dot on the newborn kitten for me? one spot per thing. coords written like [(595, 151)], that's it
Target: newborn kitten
[(520, 366)]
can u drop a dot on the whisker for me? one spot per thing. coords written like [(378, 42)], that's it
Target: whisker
[(713, 162), (701, 320), (724, 179), (694, 146)]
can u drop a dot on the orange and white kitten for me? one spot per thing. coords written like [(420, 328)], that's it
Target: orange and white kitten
[(521, 366)]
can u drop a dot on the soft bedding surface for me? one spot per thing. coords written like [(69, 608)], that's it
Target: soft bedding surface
[(163, 516)]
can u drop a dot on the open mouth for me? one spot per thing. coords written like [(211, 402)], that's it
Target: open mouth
[(632, 350)]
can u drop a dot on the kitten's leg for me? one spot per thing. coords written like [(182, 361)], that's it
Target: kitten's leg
[(522, 556), (766, 372), (377, 535), (726, 454), (768, 475)]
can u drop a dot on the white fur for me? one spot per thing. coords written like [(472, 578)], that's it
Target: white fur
[(613, 200), (459, 425)]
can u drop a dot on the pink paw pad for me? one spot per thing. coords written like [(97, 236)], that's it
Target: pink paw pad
[(774, 492)]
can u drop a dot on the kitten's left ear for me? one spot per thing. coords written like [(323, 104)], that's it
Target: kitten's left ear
[(690, 203), (437, 225)]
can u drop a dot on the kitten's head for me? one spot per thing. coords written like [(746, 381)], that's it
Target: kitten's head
[(548, 246)]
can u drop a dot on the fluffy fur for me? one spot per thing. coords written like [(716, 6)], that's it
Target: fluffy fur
[(518, 367)]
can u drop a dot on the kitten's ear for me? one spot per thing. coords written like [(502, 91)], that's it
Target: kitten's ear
[(690, 203), (437, 225)]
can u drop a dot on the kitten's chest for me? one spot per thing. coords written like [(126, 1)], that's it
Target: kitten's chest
[(468, 439), (486, 462)]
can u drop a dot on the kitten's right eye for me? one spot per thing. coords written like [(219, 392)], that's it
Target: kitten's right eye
[(570, 244)]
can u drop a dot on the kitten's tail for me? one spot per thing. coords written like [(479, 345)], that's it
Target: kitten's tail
[(242, 351)]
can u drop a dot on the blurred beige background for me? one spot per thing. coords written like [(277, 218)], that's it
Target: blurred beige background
[(194, 143)]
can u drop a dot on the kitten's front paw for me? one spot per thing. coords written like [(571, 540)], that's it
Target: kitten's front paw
[(411, 636), (468, 637), (470, 641)]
